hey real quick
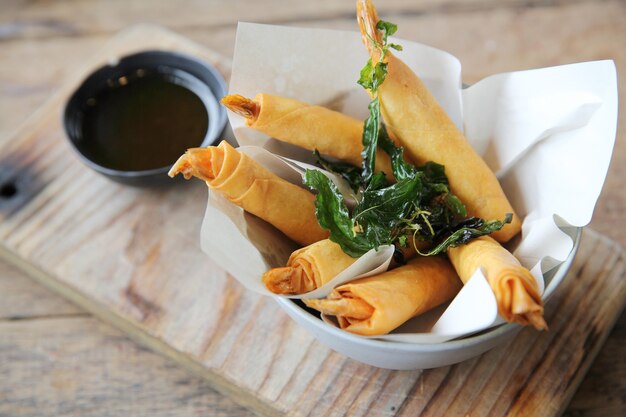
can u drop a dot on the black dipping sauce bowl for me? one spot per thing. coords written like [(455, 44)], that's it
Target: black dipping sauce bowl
[(132, 120)]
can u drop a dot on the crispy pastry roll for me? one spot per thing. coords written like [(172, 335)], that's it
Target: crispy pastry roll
[(377, 305), (308, 268), (514, 286), (421, 125), (307, 126), (247, 184)]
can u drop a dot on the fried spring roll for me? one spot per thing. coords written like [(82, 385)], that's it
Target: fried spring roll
[(247, 184), (516, 290), (308, 268), (307, 126), (377, 305), (422, 126)]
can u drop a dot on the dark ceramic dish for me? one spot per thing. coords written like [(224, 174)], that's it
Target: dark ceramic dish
[(144, 157)]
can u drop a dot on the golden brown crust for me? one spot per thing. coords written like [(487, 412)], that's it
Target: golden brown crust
[(516, 290), (244, 182), (308, 268), (308, 126)]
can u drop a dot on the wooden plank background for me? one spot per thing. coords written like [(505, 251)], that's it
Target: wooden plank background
[(40, 42), (57, 360)]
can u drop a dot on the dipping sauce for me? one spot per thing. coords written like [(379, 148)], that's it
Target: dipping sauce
[(143, 120)]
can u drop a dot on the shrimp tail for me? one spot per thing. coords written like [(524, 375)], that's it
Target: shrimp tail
[(243, 106), (368, 19), (201, 163), (182, 166)]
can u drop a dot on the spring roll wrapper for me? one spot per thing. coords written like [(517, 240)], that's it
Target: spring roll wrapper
[(517, 293), (308, 268), (377, 305), (422, 126), (313, 127), (246, 183)]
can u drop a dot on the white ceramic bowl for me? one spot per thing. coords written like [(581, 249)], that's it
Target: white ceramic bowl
[(406, 356)]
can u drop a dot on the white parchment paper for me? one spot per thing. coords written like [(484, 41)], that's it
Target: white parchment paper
[(547, 133)]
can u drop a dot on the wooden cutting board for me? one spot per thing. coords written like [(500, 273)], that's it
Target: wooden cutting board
[(131, 256)]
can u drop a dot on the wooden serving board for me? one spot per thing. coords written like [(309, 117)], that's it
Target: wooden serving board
[(131, 256)]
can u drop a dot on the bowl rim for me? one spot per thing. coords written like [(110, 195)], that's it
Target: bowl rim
[(288, 305), (218, 116)]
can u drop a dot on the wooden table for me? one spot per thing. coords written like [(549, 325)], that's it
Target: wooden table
[(40, 42)]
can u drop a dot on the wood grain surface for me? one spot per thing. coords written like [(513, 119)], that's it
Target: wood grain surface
[(43, 42), (57, 360)]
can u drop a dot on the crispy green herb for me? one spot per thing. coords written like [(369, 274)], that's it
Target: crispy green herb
[(371, 77), (348, 172), (419, 205), (401, 168), (370, 141), (332, 214), (464, 231), (373, 74), (387, 28)]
